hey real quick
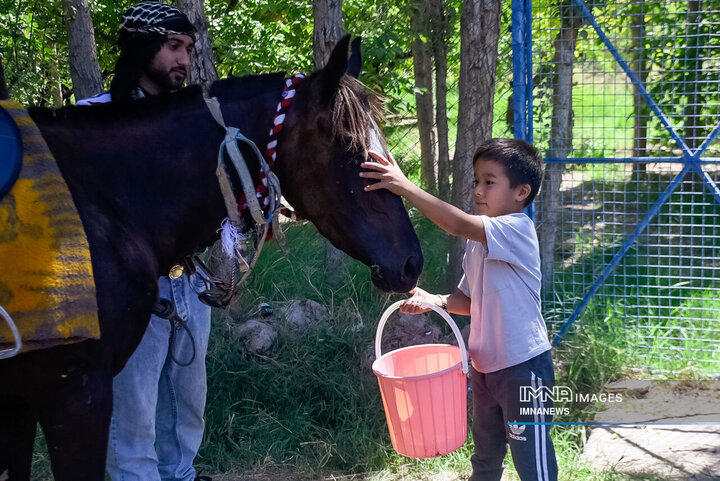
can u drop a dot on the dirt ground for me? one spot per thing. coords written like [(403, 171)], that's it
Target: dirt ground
[(682, 441), (275, 473), (285, 474)]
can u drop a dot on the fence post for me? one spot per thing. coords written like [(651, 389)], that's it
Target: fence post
[(520, 35), (521, 19)]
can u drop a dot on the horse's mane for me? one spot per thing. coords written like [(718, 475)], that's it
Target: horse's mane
[(353, 109)]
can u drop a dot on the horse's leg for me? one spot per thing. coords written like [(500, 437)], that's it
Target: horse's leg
[(75, 413), (17, 435)]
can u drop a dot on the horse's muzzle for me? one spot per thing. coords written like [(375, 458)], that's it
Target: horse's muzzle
[(398, 278)]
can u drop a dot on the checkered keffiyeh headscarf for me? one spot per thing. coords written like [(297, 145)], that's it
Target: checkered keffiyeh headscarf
[(156, 17)]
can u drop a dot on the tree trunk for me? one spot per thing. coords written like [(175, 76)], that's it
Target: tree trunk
[(639, 66), (439, 34), (56, 81), (4, 94), (327, 30), (560, 140), (479, 35), (203, 66), (84, 68), (422, 66)]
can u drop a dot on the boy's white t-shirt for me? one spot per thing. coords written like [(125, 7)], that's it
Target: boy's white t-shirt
[(502, 281)]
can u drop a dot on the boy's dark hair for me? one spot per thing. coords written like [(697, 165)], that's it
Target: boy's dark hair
[(522, 162)]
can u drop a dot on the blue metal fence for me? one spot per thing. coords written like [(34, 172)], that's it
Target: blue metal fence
[(623, 99), (629, 215)]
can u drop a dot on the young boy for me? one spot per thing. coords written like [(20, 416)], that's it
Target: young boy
[(500, 290)]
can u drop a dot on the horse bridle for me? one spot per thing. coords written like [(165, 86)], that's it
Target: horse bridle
[(218, 292), (267, 191)]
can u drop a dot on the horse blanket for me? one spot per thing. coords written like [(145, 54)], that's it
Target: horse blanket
[(46, 278)]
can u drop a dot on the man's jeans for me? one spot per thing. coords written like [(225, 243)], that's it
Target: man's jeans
[(157, 421)]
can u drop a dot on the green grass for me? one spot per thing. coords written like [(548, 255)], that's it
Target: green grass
[(314, 402), (304, 403), (603, 120)]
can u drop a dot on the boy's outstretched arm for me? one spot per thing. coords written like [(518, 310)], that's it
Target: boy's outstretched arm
[(448, 217)]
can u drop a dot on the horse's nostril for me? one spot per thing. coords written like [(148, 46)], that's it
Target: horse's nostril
[(398, 277), (412, 268)]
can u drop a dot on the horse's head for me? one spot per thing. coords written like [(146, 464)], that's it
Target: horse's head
[(327, 134)]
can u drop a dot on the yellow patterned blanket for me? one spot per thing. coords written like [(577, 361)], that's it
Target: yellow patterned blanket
[(46, 279)]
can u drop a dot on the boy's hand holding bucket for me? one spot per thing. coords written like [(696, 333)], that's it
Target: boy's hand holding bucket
[(420, 302)]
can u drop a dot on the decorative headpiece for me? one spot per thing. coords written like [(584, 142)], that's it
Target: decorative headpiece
[(156, 17)]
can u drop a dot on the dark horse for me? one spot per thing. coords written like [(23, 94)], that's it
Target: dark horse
[(142, 175)]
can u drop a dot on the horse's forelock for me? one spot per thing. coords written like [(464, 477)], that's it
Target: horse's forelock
[(353, 111)]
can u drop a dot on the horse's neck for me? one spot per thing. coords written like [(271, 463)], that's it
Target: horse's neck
[(249, 103), (156, 173)]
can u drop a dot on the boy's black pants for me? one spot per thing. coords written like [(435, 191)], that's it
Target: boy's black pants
[(497, 400)]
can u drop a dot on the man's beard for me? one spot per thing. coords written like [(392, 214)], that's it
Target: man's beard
[(170, 80)]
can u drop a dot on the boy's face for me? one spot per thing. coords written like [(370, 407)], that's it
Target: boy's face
[(492, 194)]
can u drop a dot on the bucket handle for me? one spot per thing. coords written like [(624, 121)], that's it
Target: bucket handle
[(443, 313), (6, 353)]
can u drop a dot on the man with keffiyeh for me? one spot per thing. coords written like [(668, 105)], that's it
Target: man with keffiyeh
[(158, 405)]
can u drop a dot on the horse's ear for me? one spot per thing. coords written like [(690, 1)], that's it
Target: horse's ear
[(355, 62), (335, 68)]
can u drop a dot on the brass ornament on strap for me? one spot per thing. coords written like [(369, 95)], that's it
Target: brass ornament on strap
[(176, 271)]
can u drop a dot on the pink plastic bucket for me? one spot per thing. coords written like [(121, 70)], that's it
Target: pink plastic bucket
[(424, 392)]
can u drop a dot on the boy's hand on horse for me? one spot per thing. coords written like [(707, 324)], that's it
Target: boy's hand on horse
[(388, 174)]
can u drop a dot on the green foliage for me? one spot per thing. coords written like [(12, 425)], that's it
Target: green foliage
[(676, 60), (258, 36), (251, 37), (32, 42)]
